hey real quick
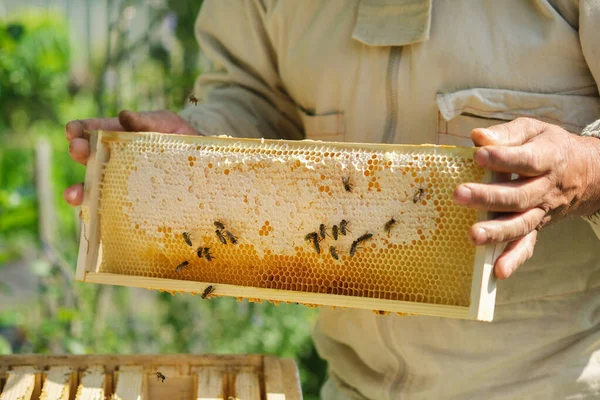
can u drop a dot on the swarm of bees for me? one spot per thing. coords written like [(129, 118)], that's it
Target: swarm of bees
[(221, 232), (342, 229), (205, 252), (160, 376)]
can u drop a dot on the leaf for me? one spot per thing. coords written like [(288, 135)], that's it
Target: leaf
[(5, 347)]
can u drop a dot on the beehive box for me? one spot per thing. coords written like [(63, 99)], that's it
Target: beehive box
[(140, 377), (262, 219)]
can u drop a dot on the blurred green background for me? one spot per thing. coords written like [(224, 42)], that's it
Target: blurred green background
[(68, 59)]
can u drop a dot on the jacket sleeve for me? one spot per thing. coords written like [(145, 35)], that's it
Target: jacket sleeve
[(241, 94), (589, 35)]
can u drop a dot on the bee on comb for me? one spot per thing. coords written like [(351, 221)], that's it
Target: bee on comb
[(354, 248), (388, 225), (314, 238), (333, 252), (322, 231), (344, 227), (334, 232), (232, 239), (418, 195), (187, 237), (182, 266), (219, 225), (208, 291), (364, 237), (347, 184), (221, 236), (205, 252)]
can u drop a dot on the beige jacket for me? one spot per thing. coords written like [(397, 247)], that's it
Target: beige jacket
[(427, 71)]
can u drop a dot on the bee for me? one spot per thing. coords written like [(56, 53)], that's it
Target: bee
[(311, 236), (322, 231), (219, 225), (160, 376), (187, 237), (193, 99), (314, 237), (354, 248), (347, 185), (344, 227), (418, 195), (182, 266), (388, 225), (334, 232), (364, 237), (205, 252), (220, 236), (232, 238), (208, 291), (333, 252)]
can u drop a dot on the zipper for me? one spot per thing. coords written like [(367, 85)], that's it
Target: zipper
[(392, 94)]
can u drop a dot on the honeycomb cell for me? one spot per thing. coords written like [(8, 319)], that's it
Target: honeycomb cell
[(155, 187)]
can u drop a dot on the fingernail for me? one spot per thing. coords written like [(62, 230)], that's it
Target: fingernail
[(480, 236), (482, 157), (490, 134), (463, 195)]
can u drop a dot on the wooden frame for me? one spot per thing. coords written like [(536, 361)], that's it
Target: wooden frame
[(215, 377), (483, 289)]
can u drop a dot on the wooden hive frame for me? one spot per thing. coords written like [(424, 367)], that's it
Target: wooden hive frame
[(483, 288), (133, 377)]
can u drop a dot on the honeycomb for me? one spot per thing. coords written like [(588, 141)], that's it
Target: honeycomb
[(167, 201)]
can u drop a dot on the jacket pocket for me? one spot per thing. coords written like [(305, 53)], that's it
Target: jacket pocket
[(462, 111), (329, 127)]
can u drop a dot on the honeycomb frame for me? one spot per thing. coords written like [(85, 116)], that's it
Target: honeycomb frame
[(153, 203)]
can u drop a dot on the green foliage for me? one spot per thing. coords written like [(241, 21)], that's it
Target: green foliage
[(34, 62), (64, 316)]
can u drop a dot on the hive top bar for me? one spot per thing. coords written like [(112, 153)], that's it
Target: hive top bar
[(363, 220)]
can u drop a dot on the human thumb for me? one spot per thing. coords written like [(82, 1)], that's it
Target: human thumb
[(163, 121)]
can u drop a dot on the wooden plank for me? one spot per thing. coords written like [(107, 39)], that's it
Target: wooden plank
[(112, 361), (483, 286), (211, 383), (129, 383), (92, 384), (20, 384), (281, 379), (247, 385), (280, 295), (89, 240), (177, 386), (57, 384)]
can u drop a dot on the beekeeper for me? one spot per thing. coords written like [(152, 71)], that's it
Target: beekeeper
[(519, 78)]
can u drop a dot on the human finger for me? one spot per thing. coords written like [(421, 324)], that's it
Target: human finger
[(514, 255), (506, 228), (531, 159), (513, 133), (513, 196), (75, 129), (155, 121), (74, 194), (79, 150)]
